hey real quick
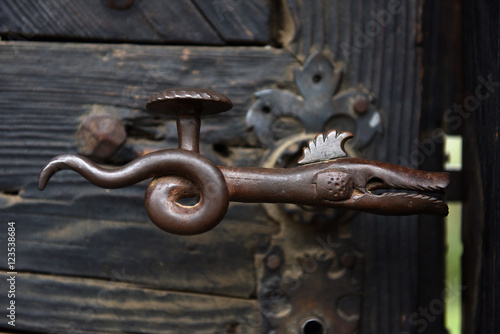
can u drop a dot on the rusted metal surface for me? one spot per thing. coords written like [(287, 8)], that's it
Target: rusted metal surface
[(347, 183), (319, 106), (100, 135), (332, 273), (361, 106), (283, 122)]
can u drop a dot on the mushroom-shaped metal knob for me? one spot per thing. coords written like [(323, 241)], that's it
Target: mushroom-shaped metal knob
[(188, 105)]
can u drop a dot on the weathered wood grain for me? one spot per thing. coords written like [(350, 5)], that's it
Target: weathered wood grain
[(53, 85), (441, 82), (239, 21), (77, 230), (381, 53), (481, 230), (216, 22), (50, 304), (146, 21), (387, 64), (83, 239)]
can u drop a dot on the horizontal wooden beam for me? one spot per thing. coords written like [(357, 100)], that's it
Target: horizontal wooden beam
[(180, 22), (55, 304)]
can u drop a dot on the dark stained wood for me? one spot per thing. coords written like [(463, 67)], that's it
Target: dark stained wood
[(215, 22), (49, 94), (81, 239), (386, 63), (76, 232), (152, 21), (481, 228), (239, 21), (47, 116), (441, 88), (75, 305), (473, 233)]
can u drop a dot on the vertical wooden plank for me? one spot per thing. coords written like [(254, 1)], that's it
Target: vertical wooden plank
[(378, 43), (441, 56), (482, 153)]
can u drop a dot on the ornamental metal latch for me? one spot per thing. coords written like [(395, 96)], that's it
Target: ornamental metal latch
[(326, 177)]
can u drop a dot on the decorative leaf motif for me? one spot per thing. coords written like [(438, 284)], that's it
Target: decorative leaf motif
[(323, 148)]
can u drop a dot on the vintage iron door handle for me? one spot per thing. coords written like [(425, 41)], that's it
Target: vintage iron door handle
[(326, 177)]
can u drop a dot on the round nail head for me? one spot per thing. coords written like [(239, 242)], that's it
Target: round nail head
[(361, 106), (185, 101)]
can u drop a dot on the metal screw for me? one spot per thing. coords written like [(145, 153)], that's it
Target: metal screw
[(273, 262), (100, 135), (361, 105)]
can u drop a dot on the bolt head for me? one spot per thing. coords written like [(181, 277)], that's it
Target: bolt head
[(361, 105), (100, 135)]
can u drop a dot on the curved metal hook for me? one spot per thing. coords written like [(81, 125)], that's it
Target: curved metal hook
[(161, 200)]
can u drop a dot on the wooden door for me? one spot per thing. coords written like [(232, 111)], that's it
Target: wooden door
[(88, 260)]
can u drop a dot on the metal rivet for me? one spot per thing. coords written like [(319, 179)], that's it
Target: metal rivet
[(361, 106)]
